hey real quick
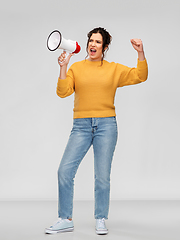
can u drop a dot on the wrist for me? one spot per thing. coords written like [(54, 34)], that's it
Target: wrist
[(63, 66)]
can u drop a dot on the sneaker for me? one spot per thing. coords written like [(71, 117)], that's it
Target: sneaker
[(101, 227), (62, 225)]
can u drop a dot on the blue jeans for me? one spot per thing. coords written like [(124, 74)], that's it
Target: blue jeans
[(102, 134)]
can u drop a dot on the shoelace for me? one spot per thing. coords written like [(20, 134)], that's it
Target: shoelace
[(58, 221), (101, 223)]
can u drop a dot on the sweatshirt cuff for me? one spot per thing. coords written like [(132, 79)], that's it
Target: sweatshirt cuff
[(142, 64), (62, 82)]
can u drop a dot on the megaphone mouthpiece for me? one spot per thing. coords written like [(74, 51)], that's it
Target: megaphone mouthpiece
[(78, 48)]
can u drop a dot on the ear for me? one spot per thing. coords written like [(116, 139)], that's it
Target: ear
[(106, 47)]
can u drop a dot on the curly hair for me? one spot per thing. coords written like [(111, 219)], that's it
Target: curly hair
[(107, 38)]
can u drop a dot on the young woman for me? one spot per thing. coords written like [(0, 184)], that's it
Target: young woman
[(94, 81)]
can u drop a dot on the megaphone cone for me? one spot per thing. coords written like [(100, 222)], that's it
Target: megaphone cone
[(56, 41)]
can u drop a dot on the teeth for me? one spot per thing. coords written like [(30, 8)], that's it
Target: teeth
[(93, 50)]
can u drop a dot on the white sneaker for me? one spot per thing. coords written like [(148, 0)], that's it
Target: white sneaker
[(62, 225), (101, 227)]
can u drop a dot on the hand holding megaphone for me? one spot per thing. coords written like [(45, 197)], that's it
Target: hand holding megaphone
[(56, 41), (63, 59)]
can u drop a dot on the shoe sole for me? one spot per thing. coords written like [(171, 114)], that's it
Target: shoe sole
[(48, 231), (101, 232)]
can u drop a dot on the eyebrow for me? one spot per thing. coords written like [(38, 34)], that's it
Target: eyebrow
[(95, 40)]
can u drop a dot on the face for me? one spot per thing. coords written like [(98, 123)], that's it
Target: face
[(95, 47)]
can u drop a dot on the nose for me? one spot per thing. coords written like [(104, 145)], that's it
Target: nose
[(93, 43)]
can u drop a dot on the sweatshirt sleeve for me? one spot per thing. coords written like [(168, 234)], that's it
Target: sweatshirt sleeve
[(65, 87), (130, 76)]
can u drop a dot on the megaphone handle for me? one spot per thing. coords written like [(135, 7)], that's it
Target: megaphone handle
[(67, 54)]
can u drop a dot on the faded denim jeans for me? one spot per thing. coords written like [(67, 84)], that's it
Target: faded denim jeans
[(101, 133)]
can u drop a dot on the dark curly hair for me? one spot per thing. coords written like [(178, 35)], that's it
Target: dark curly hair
[(107, 38)]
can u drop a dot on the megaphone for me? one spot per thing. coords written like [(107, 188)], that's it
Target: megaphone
[(56, 41)]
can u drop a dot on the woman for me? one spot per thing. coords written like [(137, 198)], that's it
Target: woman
[(94, 81)]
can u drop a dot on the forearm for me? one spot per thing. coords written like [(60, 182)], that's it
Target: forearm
[(63, 72), (142, 70), (141, 56), (65, 85)]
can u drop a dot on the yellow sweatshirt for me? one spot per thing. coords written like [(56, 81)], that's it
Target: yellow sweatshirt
[(95, 85)]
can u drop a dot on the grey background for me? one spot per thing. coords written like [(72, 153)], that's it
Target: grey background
[(35, 123)]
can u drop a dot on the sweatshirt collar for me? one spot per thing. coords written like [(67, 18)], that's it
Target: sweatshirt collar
[(93, 63)]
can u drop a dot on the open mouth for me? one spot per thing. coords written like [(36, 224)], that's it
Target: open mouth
[(92, 50)]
